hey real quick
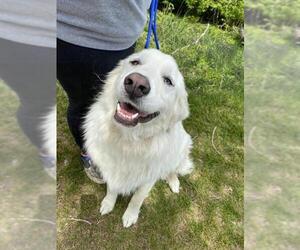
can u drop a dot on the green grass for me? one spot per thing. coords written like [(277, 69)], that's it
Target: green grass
[(272, 118), (27, 192), (208, 212)]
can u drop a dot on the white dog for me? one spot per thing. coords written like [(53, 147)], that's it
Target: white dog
[(134, 132)]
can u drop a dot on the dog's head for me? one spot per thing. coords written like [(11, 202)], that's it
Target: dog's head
[(148, 91)]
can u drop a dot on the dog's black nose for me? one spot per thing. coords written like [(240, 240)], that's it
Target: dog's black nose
[(136, 85)]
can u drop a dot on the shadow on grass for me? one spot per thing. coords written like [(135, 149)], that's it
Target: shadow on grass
[(160, 214)]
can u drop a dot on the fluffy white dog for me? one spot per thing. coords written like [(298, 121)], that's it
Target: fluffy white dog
[(134, 132)]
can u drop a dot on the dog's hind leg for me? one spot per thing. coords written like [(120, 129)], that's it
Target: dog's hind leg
[(185, 167), (109, 201), (132, 212), (173, 182)]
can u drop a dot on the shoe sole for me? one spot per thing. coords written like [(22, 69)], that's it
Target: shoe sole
[(93, 178)]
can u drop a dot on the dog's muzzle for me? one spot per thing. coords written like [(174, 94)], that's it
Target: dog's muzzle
[(128, 115)]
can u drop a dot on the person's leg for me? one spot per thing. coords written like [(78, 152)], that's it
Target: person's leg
[(30, 72), (81, 72)]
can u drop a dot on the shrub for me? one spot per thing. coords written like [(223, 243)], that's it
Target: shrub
[(222, 11), (230, 12), (277, 12)]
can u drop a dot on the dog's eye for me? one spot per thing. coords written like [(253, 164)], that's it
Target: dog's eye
[(135, 62), (168, 81)]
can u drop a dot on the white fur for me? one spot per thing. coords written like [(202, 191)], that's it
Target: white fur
[(48, 128), (48, 131), (132, 159)]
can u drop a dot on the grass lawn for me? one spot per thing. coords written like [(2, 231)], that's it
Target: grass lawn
[(272, 118), (208, 211), (27, 204)]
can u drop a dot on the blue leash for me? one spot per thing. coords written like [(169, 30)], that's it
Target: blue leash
[(152, 24)]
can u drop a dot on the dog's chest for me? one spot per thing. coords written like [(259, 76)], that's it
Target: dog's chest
[(126, 166)]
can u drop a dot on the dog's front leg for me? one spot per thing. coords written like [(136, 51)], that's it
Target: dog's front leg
[(132, 212), (109, 201)]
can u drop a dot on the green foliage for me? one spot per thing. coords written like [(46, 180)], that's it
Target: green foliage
[(224, 11), (277, 12), (229, 12), (272, 90)]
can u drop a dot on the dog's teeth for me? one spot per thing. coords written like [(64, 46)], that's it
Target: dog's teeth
[(125, 115)]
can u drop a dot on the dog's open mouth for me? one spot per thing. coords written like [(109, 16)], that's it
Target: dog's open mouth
[(128, 115)]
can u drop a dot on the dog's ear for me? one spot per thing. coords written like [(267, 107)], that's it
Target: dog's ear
[(181, 106), (182, 109)]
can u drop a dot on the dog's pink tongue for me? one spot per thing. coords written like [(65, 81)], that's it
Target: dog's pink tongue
[(127, 109)]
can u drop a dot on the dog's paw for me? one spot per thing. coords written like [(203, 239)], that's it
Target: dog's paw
[(129, 218), (106, 206), (174, 183)]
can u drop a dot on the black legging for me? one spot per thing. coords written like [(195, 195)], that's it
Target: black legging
[(81, 72), (30, 72)]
